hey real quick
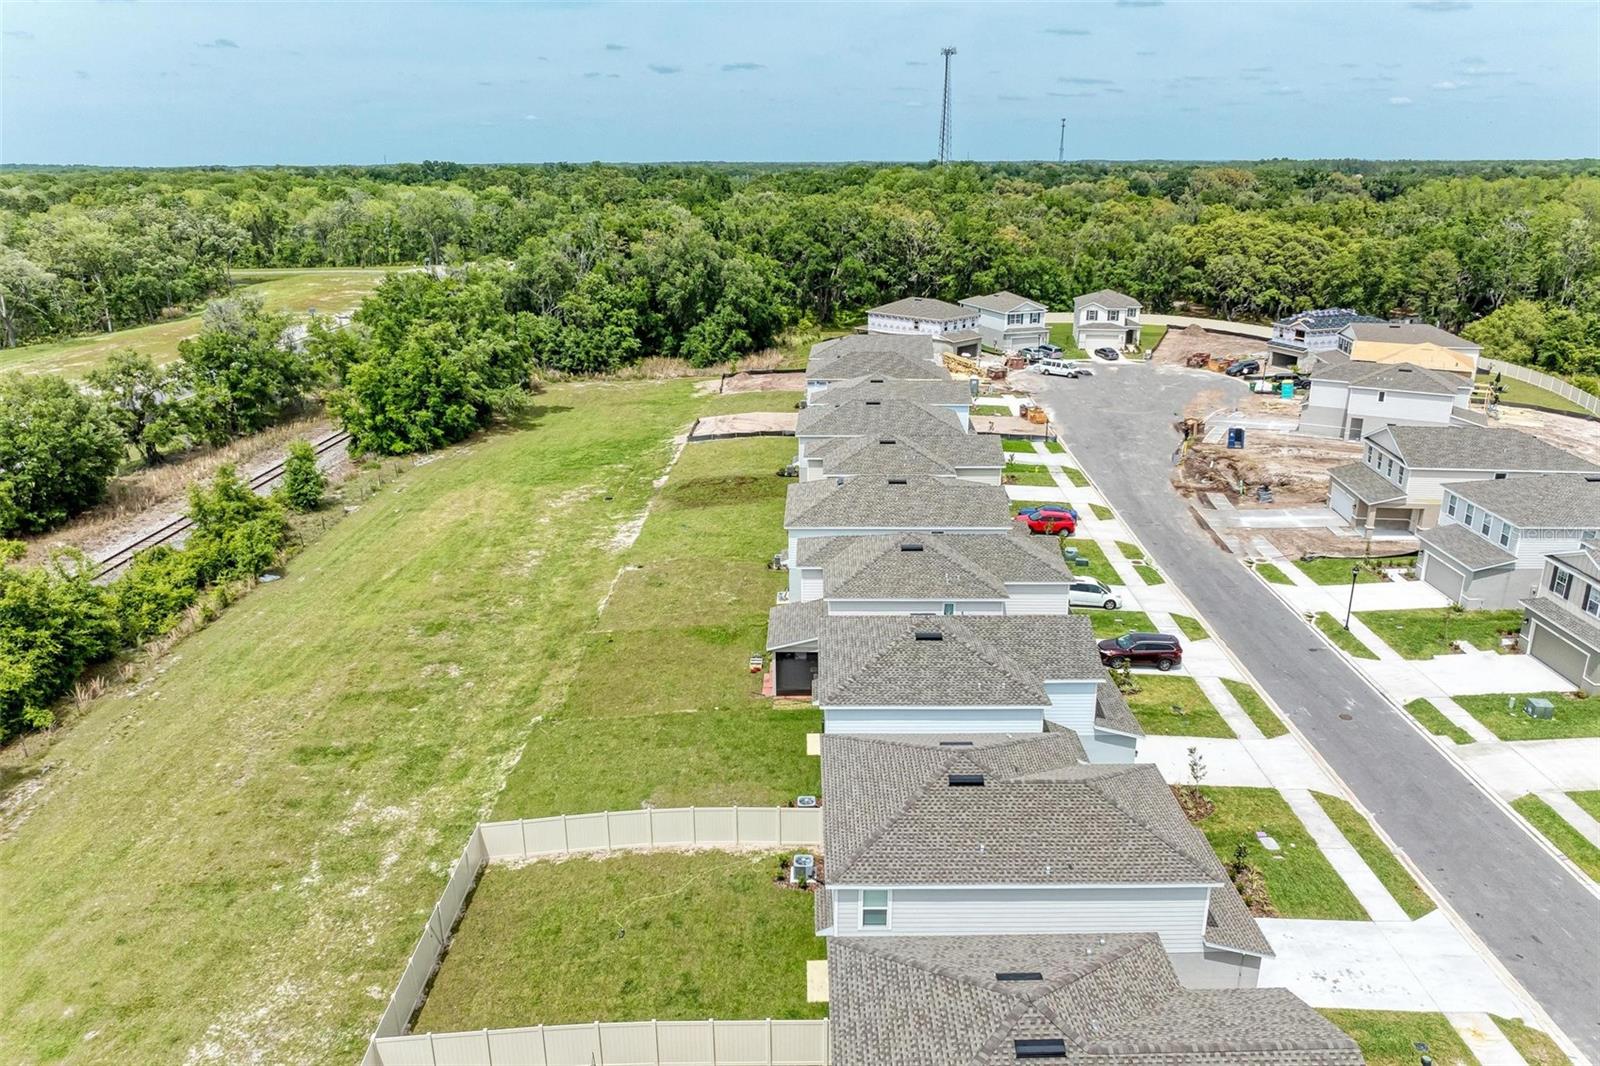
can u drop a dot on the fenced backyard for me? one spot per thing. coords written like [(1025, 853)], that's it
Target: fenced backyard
[(720, 1043), (1529, 376)]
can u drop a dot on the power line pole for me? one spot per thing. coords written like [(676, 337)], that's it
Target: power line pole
[(944, 117), (1061, 150)]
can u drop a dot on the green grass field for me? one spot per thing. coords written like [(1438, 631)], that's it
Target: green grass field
[(1573, 844), (1589, 801), (1384, 863), (1386, 1036), (1175, 707), (1074, 475), (1434, 721), (1535, 1047), (1300, 881), (321, 752), (1115, 623), (1190, 627), (1101, 512), (1061, 337), (292, 291), (1575, 716), (1342, 637), (1130, 550), (1429, 631), (648, 935), (1272, 574), (1523, 393), (1099, 567), (1028, 474), (1337, 571), (1054, 447), (1018, 447), (1256, 707), (1149, 573)]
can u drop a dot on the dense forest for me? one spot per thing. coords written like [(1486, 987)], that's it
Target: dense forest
[(607, 264)]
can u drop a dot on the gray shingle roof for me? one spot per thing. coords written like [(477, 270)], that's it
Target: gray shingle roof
[(879, 567), (1561, 615), (1112, 1000), (1366, 484), (1002, 302), (937, 456), (1400, 377), (885, 417), (1324, 320), (1479, 448), (869, 354), (1105, 298), (1586, 560), (976, 660), (885, 387), (960, 336), (1408, 333), (1111, 711), (921, 307), (791, 624), (880, 503), (1464, 547), (1537, 501)]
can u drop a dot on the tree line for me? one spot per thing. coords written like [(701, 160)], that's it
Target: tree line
[(614, 263)]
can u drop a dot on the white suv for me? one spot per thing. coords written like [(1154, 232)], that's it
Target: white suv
[(1089, 593)]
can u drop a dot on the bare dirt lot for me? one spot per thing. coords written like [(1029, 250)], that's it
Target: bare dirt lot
[(743, 382), (1179, 344), (1577, 435)]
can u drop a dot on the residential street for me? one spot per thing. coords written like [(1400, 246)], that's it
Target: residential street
[(1536, 917)]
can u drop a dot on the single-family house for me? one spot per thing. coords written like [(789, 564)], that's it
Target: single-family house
[(1008, 322), (1416, 343), (1087, 999), (937, 392), (1398, 485), (879, 673), (921, 314), (823, 422), (862, 506), (1105, 319), (970, 457), (872, 355), (1299, 337), (1490, 544), (1561, 623), (1352, 399), (940, 836)]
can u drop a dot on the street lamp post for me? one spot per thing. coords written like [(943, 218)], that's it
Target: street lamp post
[(1355, 572)]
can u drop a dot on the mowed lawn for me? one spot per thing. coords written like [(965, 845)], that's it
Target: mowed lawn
[(631, 937), (232, 861), (1300, 881), (295, 292), (663, 709)]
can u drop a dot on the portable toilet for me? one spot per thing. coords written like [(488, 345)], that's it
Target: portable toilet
[(1286, 389), (1236, 436)]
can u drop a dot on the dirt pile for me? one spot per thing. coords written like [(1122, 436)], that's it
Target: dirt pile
[(1238, 474)]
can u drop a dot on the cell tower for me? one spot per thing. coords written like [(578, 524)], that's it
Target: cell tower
[(1061, 149), (944, 116)]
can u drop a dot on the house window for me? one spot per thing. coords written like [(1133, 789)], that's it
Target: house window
[(1466, 516), (1450, 504), (1380, 395), (1112, 316), (875, 908), (1484, 529), (1591, 601), (1388, 467), (949, 608), (1014, 320), (1560, 581), (1091, 315), (1370, 454), (1035, 318), (1505, 535)]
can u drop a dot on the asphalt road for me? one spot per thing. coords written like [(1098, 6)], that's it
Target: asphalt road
[(1535, 916)]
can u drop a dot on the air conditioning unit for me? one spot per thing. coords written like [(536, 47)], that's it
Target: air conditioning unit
[(805, 801), (804, 869)]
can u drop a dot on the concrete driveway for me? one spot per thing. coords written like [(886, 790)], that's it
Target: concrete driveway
[(1534, 914)]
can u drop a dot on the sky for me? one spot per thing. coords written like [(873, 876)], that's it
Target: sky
[(165, 84)]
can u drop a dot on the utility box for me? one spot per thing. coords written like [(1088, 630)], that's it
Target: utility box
[(1535, 707)]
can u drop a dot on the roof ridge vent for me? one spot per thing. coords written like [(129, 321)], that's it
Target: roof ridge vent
[(910, 546), (897, 481), (886, 440), (874, 403), (966, 780), (1019, 975), (929, 634)]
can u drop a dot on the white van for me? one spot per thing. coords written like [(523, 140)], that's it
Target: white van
[(1058, 367)]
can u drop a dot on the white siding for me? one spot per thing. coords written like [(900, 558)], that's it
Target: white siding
[(1399, 407), (1178, 914), (836, 606), (932, 720), (1037, 598), (810, 583), (1072, 704), (1109, 747), (983, 475)]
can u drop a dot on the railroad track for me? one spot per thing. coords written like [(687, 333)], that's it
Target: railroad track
[(260, 482)]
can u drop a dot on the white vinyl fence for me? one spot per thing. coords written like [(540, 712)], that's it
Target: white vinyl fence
[(1527, 374), (707, 1043), (567, 834)]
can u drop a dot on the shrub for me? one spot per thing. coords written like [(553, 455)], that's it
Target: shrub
[(58, 448), (153, 593), (54, 622), (236, 533), (303, 483)]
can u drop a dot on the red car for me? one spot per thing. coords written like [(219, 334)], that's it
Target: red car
[(1049, 520)]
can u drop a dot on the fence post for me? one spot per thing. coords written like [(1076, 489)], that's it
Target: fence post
[(769, 1043), (488, 1048), (738, 833), (522, 827), (650, 821), (566, 845), (599, 1044), (433, 1059), (694, 838), (607, 818), (712, 1022)]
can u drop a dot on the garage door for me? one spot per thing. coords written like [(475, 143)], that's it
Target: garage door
[(1342, 502), (1444, 577), (797, 671), (1558, 653)]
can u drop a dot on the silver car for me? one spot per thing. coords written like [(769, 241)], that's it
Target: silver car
[(1086, 592)]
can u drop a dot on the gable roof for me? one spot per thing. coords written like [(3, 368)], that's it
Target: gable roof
[(937, 456), (1324, 320), (856, 355), (966, 661), (1408, 333), (887, 387), (792, 625), (1400, 377), (1365, 483), (940, 567), (1112, 1000), (1424, 354), (893, 417), (884, 503), (925, 307), (1537, 501), (1002, 302), (1105, 298), (1461, 447), (1461, 545)]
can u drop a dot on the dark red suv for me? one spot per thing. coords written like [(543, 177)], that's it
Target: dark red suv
[(1142, 649)]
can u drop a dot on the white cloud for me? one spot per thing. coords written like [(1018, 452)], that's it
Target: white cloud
[(1400, 101), (530, 118), (1447, 86)]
